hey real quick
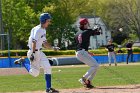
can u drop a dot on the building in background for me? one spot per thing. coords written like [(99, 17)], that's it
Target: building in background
[(100, 40), (136, 44)]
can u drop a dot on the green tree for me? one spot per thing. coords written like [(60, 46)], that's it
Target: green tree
[(19, 16), (37, 5), (122, 14), (130, 12), (18, 21), (64, 13)]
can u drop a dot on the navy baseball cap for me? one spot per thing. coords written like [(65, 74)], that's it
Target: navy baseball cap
[(44, 17)]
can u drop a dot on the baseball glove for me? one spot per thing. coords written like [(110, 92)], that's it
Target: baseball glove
[(32, 57)]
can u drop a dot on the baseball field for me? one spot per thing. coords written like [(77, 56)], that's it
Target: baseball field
[(109, 79)]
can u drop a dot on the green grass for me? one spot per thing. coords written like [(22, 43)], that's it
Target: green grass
[(68, 78)]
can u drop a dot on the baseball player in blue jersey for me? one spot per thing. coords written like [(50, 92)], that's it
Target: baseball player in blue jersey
[(82, 39), (37, 58)]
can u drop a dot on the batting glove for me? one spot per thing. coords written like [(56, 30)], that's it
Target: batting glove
[(32, 57)]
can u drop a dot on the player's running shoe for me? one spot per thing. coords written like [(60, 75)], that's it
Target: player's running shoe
[(52, 90), (19, 61)]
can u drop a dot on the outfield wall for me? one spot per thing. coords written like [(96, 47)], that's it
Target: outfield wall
[(101, 59)]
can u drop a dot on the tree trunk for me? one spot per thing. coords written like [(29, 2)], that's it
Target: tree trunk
[(59, 42), (138, 34)]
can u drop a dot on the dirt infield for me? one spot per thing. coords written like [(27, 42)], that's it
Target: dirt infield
[(19, 71), (106, 89)]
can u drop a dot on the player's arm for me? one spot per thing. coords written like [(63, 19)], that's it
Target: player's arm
[(35, 38), (115, 50), (33, 46), (32, 57), (47, 45), (106, 48), (127, 46), (94, 32), (90, 32)]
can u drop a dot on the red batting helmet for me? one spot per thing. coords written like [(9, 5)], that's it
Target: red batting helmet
[(83, 21)]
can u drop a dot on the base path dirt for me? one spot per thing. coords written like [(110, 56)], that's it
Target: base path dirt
[(106, 89), (19, 71)]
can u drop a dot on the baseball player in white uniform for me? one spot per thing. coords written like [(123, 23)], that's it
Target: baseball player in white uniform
[(35, 55), (82, 39)]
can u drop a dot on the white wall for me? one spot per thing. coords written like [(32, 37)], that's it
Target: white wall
[(99, 40)]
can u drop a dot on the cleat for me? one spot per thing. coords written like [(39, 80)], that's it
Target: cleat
[(19, 61), (109, 64), (82, 81), (52, 90), (115, 64), (88, 85)]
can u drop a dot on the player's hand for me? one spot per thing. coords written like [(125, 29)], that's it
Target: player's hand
[(130, 48), (92, 54), (32, 57)]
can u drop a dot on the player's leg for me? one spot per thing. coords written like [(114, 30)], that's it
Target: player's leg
[(90, 61), (128, 54), (93, 67), (109, 58), (114, 58), (21, 61), (47, 72), (91, 77), (132, 56), (35, 64), (90, 74), (30, 68)]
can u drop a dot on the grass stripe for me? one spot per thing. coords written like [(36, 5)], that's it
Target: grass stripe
[(68, 78)]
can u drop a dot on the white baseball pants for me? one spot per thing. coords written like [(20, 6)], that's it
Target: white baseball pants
[(39, 61), (86, 58)]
